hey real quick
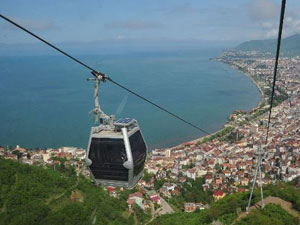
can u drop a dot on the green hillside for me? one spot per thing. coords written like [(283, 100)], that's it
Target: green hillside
[(227, 210), (271, 214), (290, 45), (37, 196)]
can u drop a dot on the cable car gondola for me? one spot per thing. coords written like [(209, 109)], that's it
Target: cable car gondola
[(116, 150)]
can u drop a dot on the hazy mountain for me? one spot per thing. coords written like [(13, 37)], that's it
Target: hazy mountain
[(290, 46)]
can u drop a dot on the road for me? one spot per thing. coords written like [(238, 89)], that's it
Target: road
[(166, 208)]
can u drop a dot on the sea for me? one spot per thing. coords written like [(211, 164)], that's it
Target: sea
[(46, 100)]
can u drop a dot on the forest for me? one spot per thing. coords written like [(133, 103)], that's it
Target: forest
[(42, 196)]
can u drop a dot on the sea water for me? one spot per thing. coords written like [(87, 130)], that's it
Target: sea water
[(45, 100)]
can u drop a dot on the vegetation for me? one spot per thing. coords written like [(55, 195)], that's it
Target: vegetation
[(233, 137), (142, 216), (258, 113), (285, 191), (290, 45), (224, 210), (37, 196), (147, 176), (192, 192), (271, 214), (68, 170), (19, 154), (188, 166), (227, 209), (159, 183), (277, 98)]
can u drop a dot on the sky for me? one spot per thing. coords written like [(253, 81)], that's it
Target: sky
[(146, 20)]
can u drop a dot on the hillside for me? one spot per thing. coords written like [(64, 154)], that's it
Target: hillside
[(269, 215), (290, 45), (37, 196), (227, 210)]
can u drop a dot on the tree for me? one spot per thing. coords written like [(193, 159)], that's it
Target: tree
[(147, 176), (18, 153), (158, 183)]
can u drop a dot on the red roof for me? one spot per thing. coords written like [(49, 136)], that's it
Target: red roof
[(155, 198), (208, 176), (212, 161), (189, 143), (136, 194), (21, 149), (219, 193), (130, 201), (241, 189), (111, 189), (226, 171), (192, 170)]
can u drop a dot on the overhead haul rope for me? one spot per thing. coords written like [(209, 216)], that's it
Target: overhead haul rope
[(102, 76)]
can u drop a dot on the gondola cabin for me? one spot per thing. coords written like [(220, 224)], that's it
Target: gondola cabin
[(116, 154)]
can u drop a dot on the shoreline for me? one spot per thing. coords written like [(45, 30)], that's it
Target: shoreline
[(262, 97)]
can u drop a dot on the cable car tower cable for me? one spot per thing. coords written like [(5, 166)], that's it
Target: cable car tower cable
[(103, 77), (260, 150)]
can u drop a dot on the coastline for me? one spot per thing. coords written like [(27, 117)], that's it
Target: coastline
[(262, 97)]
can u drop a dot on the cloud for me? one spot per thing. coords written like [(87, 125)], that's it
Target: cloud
[(133, 25), (272, 33), (266, 14), (35, 25), (262, 10), (291, 26)]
